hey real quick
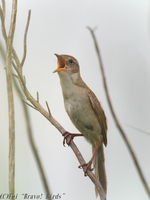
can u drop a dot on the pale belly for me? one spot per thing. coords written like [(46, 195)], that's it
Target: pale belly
[(83, 117)]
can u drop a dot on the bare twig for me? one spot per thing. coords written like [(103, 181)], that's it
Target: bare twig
[(37, 97), (3, 22), (3, 53), (115, 117), (89, 173), (15, 75), (25, 38), (48, 108), (26, 101), (4, 9)]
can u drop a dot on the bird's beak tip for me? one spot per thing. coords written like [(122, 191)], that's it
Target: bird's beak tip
[(56, 55), (61, 63)]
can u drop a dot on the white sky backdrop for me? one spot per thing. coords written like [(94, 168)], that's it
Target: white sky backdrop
[(60, 27)]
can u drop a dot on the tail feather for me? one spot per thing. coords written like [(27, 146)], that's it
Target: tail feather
[(99, 166)]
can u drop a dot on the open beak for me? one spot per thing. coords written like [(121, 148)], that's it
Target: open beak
[(61, 64)]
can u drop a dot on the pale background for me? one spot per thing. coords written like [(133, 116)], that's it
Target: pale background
[(59, 26)]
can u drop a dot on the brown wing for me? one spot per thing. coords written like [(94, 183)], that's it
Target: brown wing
[(96, 107), (100, 114)]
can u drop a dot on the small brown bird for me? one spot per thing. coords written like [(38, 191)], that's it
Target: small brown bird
[(85, 112)]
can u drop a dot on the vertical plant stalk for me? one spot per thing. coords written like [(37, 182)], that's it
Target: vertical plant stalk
[(11, 99), (25, 108), (123, 134)]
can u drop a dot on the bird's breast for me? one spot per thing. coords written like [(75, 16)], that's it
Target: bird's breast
[(83, 117)]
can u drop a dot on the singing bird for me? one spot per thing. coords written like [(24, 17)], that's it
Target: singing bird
[(85, 112)]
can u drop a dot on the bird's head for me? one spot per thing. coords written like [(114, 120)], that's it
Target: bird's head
[(67, 64)]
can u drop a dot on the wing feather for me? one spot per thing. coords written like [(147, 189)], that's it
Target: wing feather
[(100, 114), (96, 107)]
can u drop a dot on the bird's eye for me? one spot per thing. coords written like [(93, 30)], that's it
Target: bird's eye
[(71, 61)]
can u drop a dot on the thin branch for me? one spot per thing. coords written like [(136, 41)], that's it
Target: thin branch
[(17, 61), (81, 160), (24, 79), (14, 75), (4, 9), (3, 53), (25, 38), (37, 97), (16, 68), (26, 101), (3, 23), (48, 108), (115, 117)]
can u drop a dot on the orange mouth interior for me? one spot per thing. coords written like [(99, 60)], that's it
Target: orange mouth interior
[(61, 63)]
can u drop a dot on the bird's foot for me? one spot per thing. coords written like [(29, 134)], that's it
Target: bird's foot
[(70, 135), (88, 167)]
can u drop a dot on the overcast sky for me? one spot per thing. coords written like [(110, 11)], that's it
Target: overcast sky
[(123, 32)]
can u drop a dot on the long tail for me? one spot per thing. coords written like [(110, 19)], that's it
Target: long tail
[(99, 166)]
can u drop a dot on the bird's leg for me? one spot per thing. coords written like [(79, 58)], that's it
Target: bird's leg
[(71, 136), (88, 165)]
